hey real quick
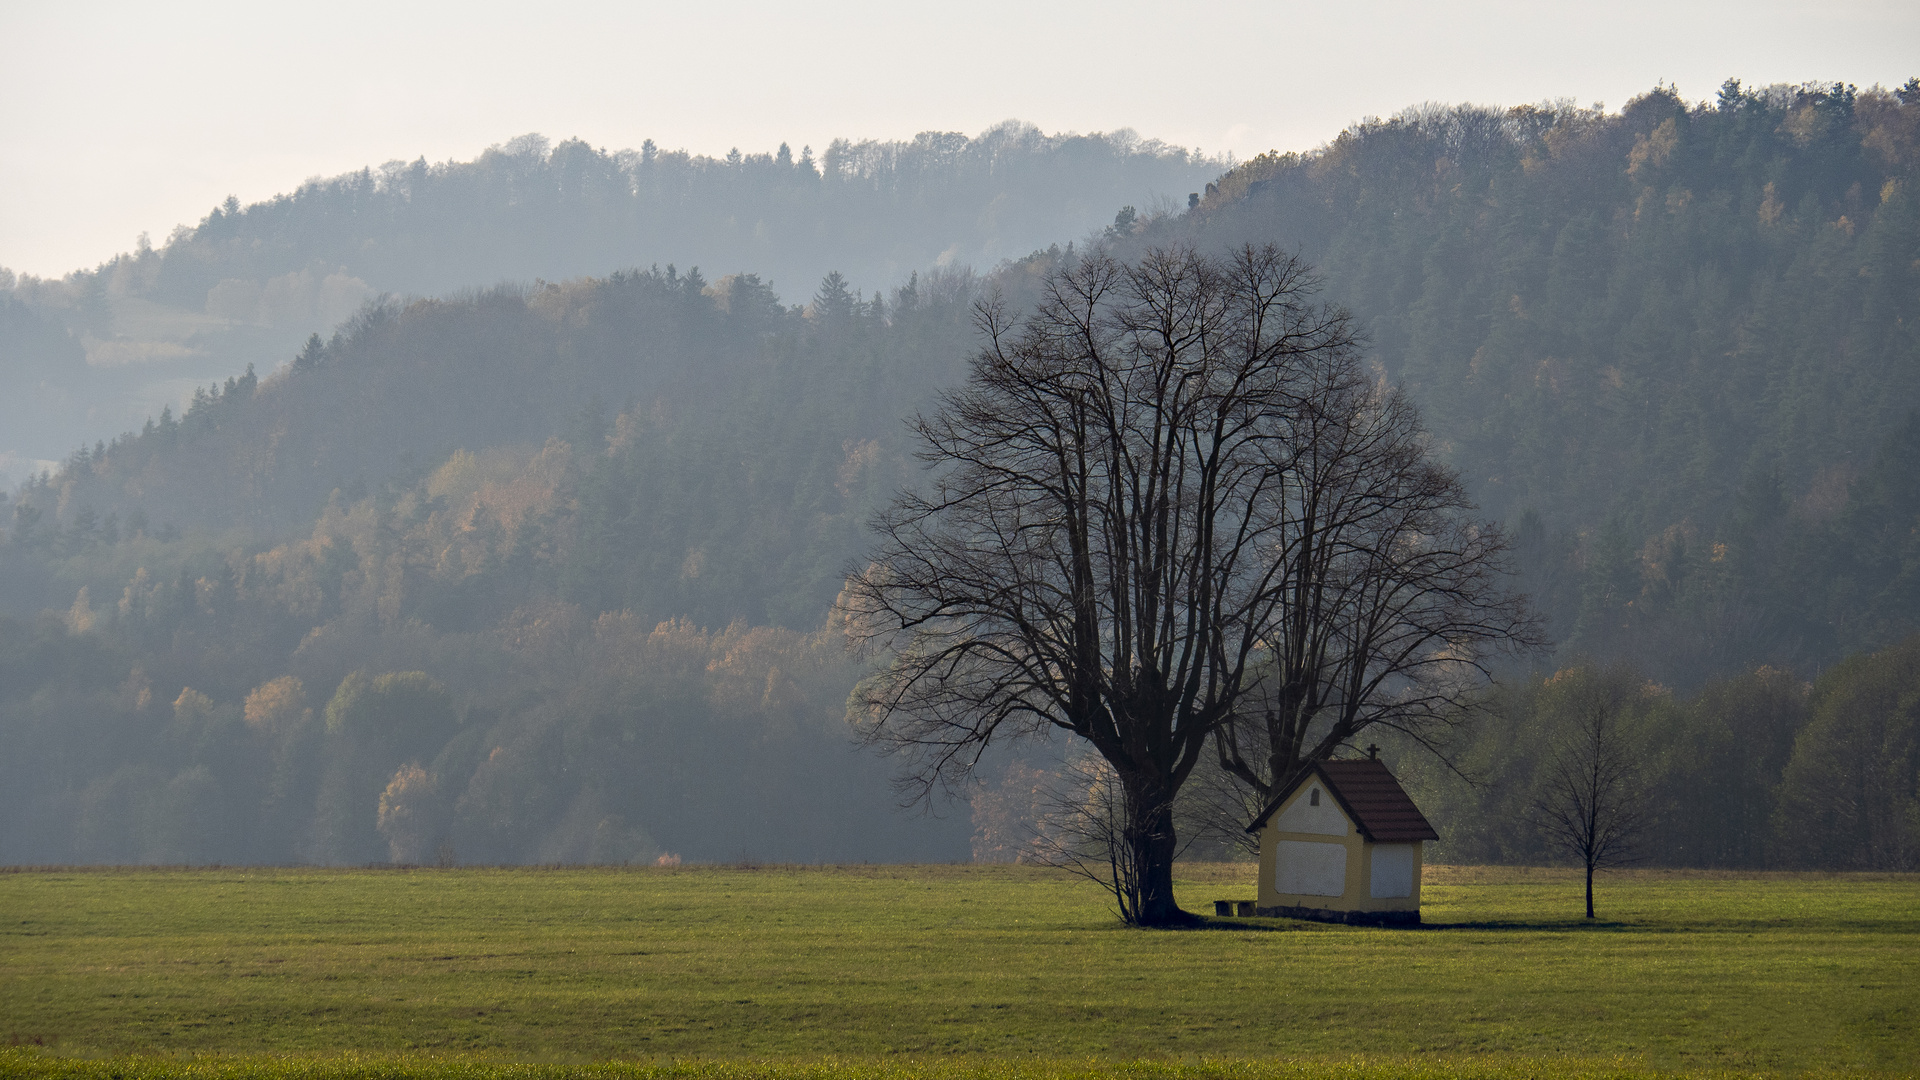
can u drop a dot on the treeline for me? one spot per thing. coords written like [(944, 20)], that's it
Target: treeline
[(1759, 770), (561, 738), (1673, 347), (1756, 771)]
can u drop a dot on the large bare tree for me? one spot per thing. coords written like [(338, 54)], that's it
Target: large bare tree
[(1109, 544)]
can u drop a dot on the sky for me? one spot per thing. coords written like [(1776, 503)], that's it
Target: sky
[(122, 119)]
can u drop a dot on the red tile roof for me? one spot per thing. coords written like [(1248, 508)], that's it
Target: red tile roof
[(1378, 805)]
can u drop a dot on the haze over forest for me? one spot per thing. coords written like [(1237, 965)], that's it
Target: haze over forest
[(506, 515)]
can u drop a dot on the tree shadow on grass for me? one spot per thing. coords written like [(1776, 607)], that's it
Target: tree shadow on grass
[(1259, 925), (1537, 925), (1280, 925)]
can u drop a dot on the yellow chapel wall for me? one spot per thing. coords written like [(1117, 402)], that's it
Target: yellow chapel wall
[(1299, 821)]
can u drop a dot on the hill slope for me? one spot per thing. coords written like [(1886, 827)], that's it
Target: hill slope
[(427, 547), (249, 283), (1668, 345)]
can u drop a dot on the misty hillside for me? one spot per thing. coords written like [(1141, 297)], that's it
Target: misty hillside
[(247, 284), (546, 571), (702, 422), (1677, 348), (875, 210), (603, 629)]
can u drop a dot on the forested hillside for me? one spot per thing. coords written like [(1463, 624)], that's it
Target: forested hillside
[(875, 210), (248, 283), (1676, 349), (591, 632), (546, 571)]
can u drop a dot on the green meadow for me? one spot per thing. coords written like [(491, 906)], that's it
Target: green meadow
[(858, 972)]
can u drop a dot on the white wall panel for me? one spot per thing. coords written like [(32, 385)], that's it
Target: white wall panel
[(1392, 871), (1304, 868)]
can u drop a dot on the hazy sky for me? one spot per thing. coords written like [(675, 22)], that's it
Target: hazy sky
[(123, 118)]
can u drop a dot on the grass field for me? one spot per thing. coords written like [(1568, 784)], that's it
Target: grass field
[(875, 972)]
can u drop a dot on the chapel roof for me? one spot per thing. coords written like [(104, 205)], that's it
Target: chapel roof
[(1379, 807)]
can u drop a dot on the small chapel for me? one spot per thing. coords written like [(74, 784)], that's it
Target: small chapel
[(1343, 844)]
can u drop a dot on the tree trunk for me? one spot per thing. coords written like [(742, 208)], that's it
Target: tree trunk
[(1589, 890), (1154, 845)]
